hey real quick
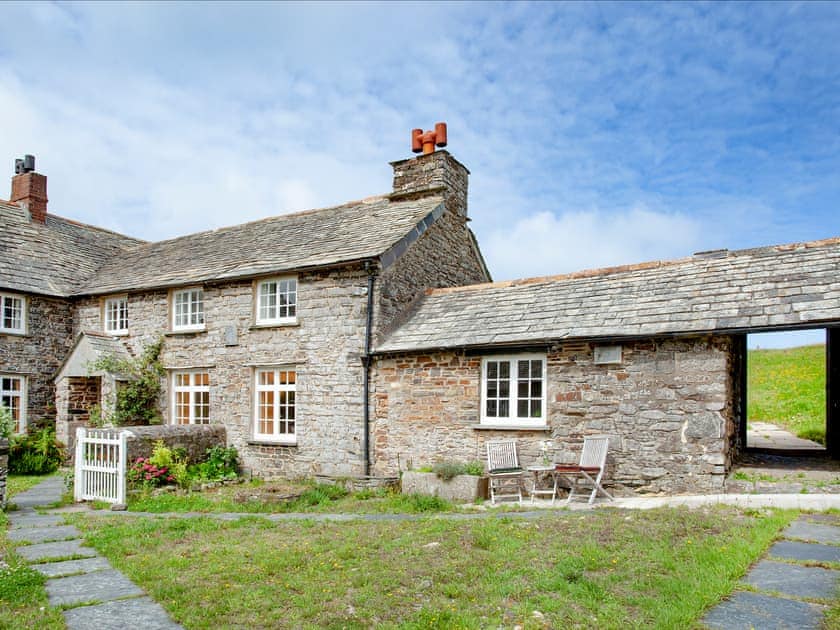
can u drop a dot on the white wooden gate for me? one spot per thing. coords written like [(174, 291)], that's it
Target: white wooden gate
[(100, 465)]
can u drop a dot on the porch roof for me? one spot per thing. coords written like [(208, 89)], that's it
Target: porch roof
[(88, 348), (777, 287)]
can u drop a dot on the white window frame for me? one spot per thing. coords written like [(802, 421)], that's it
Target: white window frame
[(120, 302), (192, 390), (193, 311), (513, 392), (289, 437), (263, 318), (20, 394), (20, 328)]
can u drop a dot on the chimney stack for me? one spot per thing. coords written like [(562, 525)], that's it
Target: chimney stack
[(29, 189), (432, 172)]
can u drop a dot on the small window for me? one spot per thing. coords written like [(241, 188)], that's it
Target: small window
[(13, 397), (274, 405), (513, 390), (190, 398), (606, 355), (276, 301), (116, 315), (188, 309), (12, 314)]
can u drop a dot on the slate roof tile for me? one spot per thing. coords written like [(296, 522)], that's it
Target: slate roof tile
[(753, 288)]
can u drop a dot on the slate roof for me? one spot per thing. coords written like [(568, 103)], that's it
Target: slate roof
[(316, 238), (90, 345), (784, 286), (55, 258)]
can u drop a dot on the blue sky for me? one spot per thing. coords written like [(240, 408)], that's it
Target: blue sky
[(596, 134)]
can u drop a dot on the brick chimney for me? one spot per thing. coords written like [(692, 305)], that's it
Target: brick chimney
[(29, 189), (435, 172)]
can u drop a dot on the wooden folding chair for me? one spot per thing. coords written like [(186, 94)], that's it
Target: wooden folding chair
[(503, 470), (593, 461)]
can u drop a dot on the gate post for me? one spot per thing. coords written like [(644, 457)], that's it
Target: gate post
[(121, 465), (79, 477), (832, 392)]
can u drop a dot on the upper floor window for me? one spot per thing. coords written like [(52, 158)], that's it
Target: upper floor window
[(513, 390), (276, 300), (116, 315), (13, 397), (188, 309), (274, 407), (12, 313), (190, 398)]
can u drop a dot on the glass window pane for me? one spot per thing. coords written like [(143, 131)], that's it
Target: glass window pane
[(504, 369), (536, 409), (492, 408), (536, 369), (522, 409), (504, 409), (504, 389), (522, 389), (522, 369), (492, 369)]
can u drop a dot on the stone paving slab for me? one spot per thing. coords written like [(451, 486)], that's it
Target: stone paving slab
[(744, 610), (794, 580), (102, 586), (44, 534), (817, 532), (32, 519), (808, 552), (45, 551), (142, 612), (35, 500), (69, 567)]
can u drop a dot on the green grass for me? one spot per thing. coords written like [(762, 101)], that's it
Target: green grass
[(314, 498), (787, 387), (607, 569)]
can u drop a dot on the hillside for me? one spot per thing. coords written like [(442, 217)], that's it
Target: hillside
[(787, 387)]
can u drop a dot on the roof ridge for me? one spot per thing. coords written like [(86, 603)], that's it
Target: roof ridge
[(139, 241), (653, 264), (299, 213)]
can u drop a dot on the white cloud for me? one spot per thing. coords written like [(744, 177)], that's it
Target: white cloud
[(546, 244)]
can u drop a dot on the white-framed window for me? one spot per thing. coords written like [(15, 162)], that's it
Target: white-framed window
[(513, 390), (277, 300), (190, 397), (274, 405), (12, 313), (188, 309), (13, 397), (116, 315)]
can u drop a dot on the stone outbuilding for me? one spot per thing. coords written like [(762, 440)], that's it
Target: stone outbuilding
[(652, 355)]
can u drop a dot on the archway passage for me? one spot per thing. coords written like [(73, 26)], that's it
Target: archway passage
[(797, 391)]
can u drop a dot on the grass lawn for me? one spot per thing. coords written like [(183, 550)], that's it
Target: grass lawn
[(787, 387), (605, 569), (250, 497), (23, 600)]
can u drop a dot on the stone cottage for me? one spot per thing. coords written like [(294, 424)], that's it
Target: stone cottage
[(267, 326), (364, 338)]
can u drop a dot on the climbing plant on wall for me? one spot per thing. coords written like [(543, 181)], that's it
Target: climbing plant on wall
[(137, 396)]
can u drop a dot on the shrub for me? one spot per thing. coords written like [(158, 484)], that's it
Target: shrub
[(7, 422), (220, 464), (137, 398), (36, 453), (446, 470)]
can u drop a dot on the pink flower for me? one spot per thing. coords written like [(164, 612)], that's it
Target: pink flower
[(139, 460)]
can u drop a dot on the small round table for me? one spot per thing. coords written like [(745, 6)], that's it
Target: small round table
[(535, 490)]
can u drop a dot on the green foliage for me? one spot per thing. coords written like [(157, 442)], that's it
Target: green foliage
[(138, 397), (787, 388), (97, 417), (322, 494), (447, 470), (35, 453), (7, 422), (220, 464)]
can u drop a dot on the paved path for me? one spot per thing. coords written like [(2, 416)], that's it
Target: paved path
[(96, 596), (767, 435), (788, 587)]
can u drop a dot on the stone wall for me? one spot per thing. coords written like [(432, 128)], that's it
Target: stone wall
[(324, 346), (432, 171), (667, 409), (445, 256), (37, 354), (195, 439)]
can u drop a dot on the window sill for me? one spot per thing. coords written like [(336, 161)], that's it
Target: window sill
[(13, 333), (116, 333), (510, 427), (275, 325), (270, 443), (185, 333)]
